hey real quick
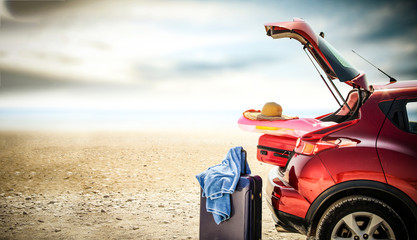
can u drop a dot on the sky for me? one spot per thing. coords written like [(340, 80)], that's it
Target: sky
[(134, 65)]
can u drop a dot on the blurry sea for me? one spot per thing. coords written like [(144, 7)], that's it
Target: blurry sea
[(124, 120)]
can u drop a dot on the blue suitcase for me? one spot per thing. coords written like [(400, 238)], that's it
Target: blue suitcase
[(246, 213)]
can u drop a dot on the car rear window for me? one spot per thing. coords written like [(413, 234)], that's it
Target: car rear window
[(343, 69)]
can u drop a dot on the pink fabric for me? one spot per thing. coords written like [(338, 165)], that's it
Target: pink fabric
[(295, 127)]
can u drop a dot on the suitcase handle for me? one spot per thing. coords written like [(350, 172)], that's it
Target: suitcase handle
[(245, 163)]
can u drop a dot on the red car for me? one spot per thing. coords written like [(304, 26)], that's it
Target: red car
[(355, 179)]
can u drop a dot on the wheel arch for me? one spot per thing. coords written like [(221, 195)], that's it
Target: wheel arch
[(392, 196)]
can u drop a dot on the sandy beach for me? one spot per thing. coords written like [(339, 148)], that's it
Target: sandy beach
[(136, 185)]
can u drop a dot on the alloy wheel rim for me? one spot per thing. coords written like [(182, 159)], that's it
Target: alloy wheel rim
[(362, 226)]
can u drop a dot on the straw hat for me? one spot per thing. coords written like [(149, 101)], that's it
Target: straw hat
[(271, 111)]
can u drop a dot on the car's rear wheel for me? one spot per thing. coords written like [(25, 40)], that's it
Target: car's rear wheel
[(359, 217)]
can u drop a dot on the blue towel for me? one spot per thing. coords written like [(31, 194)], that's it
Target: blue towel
[(219, 181)]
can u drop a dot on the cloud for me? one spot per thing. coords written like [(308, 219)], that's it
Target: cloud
[(390, 19), (17, 81)]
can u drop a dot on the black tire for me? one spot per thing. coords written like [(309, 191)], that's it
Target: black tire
[(360, 217)]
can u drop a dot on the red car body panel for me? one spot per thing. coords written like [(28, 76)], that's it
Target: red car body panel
[(299, 26), (359, 81), (288, 200), (344, 164), (307, 178), (311, 177), (397, 149)]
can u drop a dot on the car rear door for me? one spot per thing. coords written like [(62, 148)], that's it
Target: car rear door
[(397, 144)]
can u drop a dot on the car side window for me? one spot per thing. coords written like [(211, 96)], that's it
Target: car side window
[(411, 108), (402, 113)]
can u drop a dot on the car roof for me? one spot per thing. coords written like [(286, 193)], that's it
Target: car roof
[(397, 85)]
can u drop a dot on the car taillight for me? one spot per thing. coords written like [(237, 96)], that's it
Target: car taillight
[(317, 141), (276, 195), (312, 148)]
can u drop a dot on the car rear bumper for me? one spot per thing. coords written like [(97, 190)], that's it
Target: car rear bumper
[(288, 207)]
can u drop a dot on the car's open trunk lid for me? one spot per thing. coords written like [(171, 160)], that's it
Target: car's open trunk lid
[(325, 55)]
